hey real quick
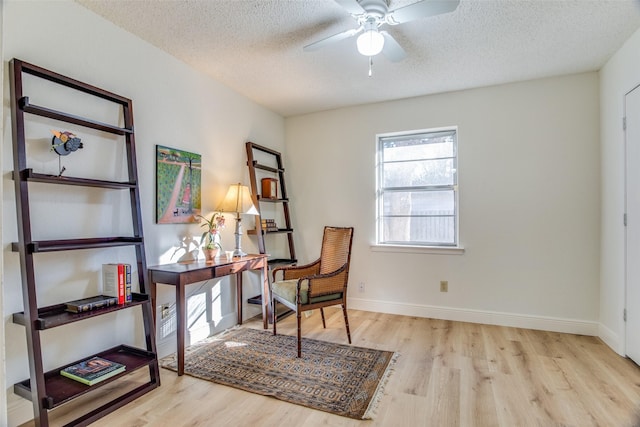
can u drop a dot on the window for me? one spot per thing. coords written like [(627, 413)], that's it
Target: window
[(417, 188)]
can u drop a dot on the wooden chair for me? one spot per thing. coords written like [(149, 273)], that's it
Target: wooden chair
[(319, 284)]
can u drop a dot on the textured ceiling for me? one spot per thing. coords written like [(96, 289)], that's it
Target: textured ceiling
[(255, 46)]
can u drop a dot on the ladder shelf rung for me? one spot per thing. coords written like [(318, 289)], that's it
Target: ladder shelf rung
[(30, 175), (73, 244), (280, 231), (61, 389), (268, 200), (70, 118), (56, 315), (267, 168)]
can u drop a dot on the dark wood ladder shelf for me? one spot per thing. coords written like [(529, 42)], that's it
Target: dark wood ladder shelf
[(49, 390), (270, 163), (274, 168)]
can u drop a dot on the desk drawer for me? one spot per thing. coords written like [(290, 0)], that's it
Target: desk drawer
[(225, 270)]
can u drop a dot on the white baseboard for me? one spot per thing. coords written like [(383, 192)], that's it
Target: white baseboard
[(611, 339), (553, 324)]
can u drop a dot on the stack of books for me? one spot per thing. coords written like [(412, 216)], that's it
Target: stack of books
[(269, 225), (92, 371), (116, 282)]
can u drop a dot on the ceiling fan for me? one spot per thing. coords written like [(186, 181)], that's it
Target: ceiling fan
[(373, 14)]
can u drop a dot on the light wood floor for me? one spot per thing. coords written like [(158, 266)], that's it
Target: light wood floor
[(448, 374)]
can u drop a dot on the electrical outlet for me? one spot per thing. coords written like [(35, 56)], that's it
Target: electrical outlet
[(165, 311), (361, 286), (444, 286)]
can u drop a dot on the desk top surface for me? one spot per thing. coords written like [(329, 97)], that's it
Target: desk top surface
[(180, 267)]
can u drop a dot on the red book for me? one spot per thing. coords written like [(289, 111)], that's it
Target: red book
[(113, 281), (121, 284)]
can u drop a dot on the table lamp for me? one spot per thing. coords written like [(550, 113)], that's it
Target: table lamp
[(238, 200)]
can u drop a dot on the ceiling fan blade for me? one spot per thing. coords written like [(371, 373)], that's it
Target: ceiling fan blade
[(421, 9), (351, 6), (331, 39), (392, 49)]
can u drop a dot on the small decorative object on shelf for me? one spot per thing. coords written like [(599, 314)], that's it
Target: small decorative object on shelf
[(210, 240), (269, 188), (64, 142), (93, 370)]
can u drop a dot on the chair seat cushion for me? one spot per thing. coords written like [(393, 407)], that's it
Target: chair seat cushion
[(286, 289)]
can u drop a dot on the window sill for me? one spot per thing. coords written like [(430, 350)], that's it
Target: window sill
[(437, 250)]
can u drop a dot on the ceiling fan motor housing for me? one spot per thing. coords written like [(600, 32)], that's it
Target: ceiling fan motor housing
[(375, 8)]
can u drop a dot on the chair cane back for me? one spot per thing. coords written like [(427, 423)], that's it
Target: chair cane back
[(319, 284)]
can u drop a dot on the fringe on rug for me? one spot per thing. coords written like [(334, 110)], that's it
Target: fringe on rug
[(372, 409)]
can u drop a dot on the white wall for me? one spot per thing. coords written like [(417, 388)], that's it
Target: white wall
[(617, 77), (173, 106), (529, 203)]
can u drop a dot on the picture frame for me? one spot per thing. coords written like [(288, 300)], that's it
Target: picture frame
[(178, 186)]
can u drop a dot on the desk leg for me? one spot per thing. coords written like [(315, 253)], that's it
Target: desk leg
[(152, 295), (181, 320), (266, 294), (239, 295)]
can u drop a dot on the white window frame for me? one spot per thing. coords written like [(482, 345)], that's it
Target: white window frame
[(413, 246)]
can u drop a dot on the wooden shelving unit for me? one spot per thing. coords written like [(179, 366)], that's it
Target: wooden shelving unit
[(274, 158), (265, 162), (48, 390)]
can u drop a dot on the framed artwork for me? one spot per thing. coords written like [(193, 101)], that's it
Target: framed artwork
[(178, 178)]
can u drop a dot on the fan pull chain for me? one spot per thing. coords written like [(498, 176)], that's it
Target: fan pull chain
[(370, 65)]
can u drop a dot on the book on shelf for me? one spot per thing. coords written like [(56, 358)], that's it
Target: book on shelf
[(93, 370), (113, 281), (269, 224), (90, 303), (127, 283)]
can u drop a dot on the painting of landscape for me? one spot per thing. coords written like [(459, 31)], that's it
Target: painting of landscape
[(178, 181)]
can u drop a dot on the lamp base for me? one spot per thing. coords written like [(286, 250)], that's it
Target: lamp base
[(238, 250)]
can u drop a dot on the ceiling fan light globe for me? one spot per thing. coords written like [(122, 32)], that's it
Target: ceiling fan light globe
[(370, 43)]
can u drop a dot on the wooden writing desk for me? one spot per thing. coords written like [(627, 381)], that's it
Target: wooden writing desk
[(180, 275)]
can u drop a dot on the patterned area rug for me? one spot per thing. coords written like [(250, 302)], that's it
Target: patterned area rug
[(336, 378)]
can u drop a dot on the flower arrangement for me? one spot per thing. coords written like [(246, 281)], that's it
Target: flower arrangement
[(213, 225)]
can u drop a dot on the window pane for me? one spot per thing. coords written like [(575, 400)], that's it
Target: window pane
[(418, 203), (418, 173), (418, 147), (419, 230)]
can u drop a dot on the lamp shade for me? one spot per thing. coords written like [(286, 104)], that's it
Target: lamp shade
[(238, 200), (370, 43)]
